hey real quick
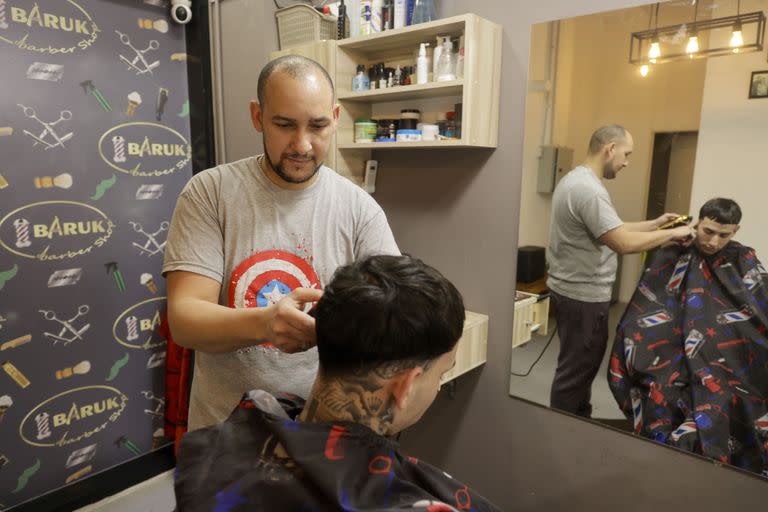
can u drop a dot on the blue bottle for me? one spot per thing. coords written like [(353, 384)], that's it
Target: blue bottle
[(424, 11), (360, 81)]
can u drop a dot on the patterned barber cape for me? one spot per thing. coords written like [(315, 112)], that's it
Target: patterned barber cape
[(260, 458), (689, 364)]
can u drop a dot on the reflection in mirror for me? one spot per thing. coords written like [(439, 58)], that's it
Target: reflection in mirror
[(626, 313)]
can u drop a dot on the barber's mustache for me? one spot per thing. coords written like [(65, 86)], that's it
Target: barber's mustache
[(295, 156)]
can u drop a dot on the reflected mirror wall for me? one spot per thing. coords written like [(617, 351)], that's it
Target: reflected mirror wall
[(696, 134)]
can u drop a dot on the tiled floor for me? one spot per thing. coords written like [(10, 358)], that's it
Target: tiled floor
[(537, 385)]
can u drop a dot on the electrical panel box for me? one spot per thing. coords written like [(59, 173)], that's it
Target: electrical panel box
[(554, 162)]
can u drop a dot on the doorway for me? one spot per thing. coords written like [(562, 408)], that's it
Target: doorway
[(672, 164)]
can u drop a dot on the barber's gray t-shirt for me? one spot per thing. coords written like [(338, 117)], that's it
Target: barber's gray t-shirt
[(232, 224), (580, 266)]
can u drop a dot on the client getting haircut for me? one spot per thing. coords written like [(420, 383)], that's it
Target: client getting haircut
[(386, 311), (721, 210)]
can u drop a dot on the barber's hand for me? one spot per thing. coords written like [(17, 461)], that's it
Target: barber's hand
[(684, 235), (290, 329), (665, 218)]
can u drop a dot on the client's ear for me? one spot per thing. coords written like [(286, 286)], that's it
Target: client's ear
[(404, 384)]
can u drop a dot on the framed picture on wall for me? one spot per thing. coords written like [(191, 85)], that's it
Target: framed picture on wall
[(758, 85)]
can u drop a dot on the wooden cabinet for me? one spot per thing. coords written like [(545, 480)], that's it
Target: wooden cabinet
[(473, 346), (478, 90)]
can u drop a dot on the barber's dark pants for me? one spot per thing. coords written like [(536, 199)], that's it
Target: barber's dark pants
[(583, 331)]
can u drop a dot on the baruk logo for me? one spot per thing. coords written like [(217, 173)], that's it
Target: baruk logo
[(54, 230), (72, 416), (47, 26), (144, 149), (139, 325)]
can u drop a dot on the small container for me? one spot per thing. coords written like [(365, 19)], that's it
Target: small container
[(409, 118), (408, 135), (365, 130), (428, 131), (450, 125), (441, 124), (457, 119), (387, 130)]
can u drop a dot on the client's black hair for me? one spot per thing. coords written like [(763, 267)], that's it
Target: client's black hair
[(721, 210), (386, 309)]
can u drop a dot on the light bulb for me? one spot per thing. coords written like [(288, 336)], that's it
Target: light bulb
[(654, 52), (644, 70), (692, 46), (737, 40)]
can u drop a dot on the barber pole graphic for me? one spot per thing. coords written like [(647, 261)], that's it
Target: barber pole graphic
[(637, 409), (22, 233), (693, 343), (43, 424), (629, 354), (752, 279), (685, 428), (656, 318), (118, 147), (647, 293), (733, 316), (132, 325), (3, 21), (761, 424), (681, 267)]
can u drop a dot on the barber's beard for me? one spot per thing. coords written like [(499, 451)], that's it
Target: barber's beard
[(280, 170), (609, 172)]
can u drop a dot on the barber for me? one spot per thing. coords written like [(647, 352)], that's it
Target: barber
[(585, 235)]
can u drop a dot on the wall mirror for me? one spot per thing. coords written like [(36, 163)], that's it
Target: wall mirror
[(679, 76)]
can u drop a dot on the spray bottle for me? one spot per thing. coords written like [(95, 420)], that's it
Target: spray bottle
[(422, 71)]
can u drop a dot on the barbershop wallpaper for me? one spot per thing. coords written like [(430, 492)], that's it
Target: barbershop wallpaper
[(94, 150)]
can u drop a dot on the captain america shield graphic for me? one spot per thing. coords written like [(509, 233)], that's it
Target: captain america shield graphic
[(266, 277)]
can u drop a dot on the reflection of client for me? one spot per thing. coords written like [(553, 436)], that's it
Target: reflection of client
[(387, 329), (689, 361), (584, 237)]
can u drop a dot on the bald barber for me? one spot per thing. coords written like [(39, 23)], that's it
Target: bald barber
[(252, 243), (585, 235)]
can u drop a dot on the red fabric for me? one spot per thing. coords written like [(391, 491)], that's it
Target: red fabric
[(178, 367)]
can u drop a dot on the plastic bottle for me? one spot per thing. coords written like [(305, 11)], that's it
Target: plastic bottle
[(366, 27), (398, 76), (360, 81), (341, 22), (376, 11), (387, 15), (436, 53), (399, 13), (423, 11), (460, 59), (446, 63), (422, 73)]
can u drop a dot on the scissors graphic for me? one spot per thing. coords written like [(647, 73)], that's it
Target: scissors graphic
[(67, 326), (64, 115), (139, 59), (151, 247)]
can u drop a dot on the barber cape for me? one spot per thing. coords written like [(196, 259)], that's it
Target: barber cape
[(689, 364), (260, 458)]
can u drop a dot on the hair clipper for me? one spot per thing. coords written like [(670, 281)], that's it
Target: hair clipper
[(679, 221)]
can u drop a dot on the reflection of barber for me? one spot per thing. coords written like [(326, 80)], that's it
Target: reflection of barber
[(584, 237)]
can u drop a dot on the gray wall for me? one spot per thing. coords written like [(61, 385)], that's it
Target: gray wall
[(458, 211)]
